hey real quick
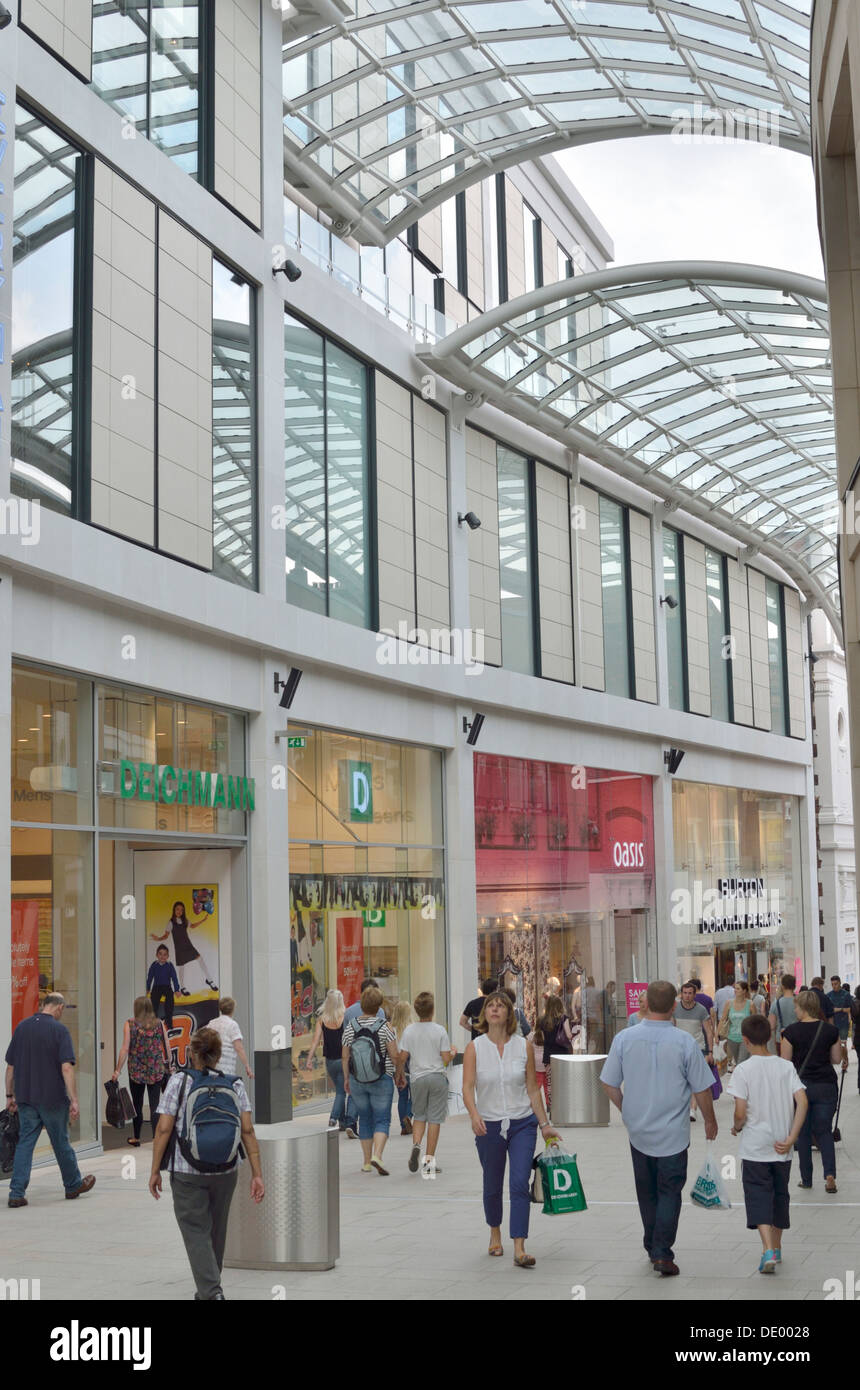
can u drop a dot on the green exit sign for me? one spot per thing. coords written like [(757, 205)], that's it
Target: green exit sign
[(296, 741)]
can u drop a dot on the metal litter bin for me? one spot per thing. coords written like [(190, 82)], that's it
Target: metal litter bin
[(578, 1099), (297, 1225)]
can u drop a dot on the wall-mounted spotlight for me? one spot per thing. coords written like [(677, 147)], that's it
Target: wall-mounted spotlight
[(473, 730), (290, 269), (669, 600), (673, 757), (289, 687), (472, 521), (5, 17)]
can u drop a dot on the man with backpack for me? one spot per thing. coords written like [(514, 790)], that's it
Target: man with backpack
[(370, 1062), (204, 1125)]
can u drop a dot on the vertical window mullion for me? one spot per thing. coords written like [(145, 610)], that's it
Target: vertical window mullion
[(727, 629), (628, 601), (149, 70), (502, 234), (82, 338), (462, 259), (682, 599), (531, 482), (326, 572)]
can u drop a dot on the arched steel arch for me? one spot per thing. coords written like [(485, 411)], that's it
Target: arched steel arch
[(709, 384), (390, 112)]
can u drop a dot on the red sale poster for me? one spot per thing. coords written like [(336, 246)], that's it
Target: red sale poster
[(350, 958), (632, 995), (25, 959)]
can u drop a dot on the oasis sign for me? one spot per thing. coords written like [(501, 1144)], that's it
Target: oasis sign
[(184, 786), (628, 854)]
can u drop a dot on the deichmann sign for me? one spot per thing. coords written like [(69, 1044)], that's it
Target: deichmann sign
[(184, 786)]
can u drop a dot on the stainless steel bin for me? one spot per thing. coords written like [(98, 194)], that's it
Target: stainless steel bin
[(297, 1225), (578, 1099)]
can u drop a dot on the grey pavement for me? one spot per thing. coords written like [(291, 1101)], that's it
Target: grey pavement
[(429, 1240)]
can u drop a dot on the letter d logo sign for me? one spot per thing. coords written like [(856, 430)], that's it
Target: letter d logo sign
[(360, 792), (561, 1181)]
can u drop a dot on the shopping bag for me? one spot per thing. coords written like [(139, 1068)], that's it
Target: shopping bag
[(536, 1189), (10, 1129), (719, 1051), (119, 1108), (708, 1189), (562, 1187), (717, 1088)]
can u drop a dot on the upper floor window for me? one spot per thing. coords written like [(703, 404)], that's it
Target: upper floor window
[(615, 588), (719, 648), (46, 317), (234, 474), (675, 618), (532, 252), (147, 65), (327, 488), (517, 562), (776, 657)]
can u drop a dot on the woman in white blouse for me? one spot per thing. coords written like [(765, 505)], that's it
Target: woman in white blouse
[(504, 1100)]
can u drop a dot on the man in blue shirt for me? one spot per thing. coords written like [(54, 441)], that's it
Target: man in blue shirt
[(40, 1085), (661, 1067), (840, 998), (162, 983), (355, 1009)]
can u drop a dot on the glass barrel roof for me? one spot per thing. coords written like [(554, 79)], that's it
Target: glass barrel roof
[(709, 384), (403, 104)]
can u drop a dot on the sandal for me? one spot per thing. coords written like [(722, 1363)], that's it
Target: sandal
[(496, 1250), (525, 1261)]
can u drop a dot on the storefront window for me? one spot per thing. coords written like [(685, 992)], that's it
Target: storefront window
[(565, 881), (169, 765), (52, 748), (737, 904), (366, 878)]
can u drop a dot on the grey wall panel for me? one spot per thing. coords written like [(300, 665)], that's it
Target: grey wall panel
[(739, 614), (237, 106), (794, 649), (591, 671), (482, 496), (642, 603), (64, 26), (394, 503)]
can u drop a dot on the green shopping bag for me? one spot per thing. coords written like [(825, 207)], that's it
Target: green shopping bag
[(562, 1187)]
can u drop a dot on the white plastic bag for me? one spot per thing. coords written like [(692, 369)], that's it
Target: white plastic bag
[(708, 1189), (719, 1051)]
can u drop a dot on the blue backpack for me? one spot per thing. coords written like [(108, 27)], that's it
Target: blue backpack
[(209, 1122)]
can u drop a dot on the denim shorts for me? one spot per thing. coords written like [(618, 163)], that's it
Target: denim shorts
[(372, 1100)]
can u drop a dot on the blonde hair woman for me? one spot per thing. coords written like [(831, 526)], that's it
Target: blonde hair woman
[(146, 1045), (330, 1029), (401, 1017)]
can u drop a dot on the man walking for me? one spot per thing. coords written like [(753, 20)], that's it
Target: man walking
[(840, 998), (660, 1066), (695, 1019), (40, 1085)]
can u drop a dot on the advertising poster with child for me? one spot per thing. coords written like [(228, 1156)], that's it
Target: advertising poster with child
[(184, 918)]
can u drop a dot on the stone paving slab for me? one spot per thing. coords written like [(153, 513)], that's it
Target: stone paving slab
[(428, 1239)]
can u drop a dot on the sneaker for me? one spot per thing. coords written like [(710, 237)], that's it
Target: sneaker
[(212, 986), (350, 1132), (366, 1168), (767, 1263), (777, 1255), (333, 1124), (376, 1163), (412, 1165)]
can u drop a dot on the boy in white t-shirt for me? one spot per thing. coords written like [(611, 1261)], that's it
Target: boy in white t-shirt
[(770, 1108), (428, 1049), (230, 1034)]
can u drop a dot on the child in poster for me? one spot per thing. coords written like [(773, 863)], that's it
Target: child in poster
[(183, 951)]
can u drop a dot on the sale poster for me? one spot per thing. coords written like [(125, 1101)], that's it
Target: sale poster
[(25, 959), (633, 996), (184, 918), (350, 958)]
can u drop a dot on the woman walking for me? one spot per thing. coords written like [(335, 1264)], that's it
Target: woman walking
[(329, 1029), (556, 1037), (146, 1045), (369, 1062), (734, 1013), (232, 1046), (813, 1045), (201, 1200), (401, 1017), (184, 953), (506, 1107)]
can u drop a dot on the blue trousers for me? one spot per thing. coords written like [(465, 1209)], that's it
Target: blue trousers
[(659, 1184), (818, 1126), (35, 1118), (494, 1150), (372, 1100), (342, 1108)]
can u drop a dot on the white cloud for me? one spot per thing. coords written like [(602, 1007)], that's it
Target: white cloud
[(663, 200)]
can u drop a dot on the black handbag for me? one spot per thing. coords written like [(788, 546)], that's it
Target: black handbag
[(119, 1109), (10, 1130)]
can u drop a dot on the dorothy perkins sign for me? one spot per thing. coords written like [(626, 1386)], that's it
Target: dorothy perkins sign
[(184, 786)]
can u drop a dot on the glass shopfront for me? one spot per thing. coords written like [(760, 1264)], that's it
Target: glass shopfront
[(565, 882), (366, 879), (737, 900), (103, 777)]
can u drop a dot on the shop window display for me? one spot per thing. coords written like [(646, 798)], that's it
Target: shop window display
[(565, 875)]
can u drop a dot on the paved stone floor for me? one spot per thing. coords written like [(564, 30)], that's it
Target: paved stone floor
[(428, 1239)]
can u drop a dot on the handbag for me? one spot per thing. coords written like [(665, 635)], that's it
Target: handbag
[(723, 1029), (837, 1133), (560, 1182)]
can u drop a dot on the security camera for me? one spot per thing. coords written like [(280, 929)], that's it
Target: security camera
[(290, 269), (669, 600), (473, 730), (5, 17), (471, 520)]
